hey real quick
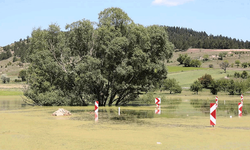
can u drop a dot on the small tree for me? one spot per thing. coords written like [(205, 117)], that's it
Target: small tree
[(196, 86), (237, 62), (181, 58), (205, 57), (210, 65), (195, 63), (244, 64), (14, 59), (236, 74), (244, 74), (222, 54), (187, 62), (206, 80), (172, 86), (5, 79), (224, 65), (215, 87), (22, 75)]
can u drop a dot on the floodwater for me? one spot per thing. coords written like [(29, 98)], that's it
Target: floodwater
[(173, 108), (178, 124)]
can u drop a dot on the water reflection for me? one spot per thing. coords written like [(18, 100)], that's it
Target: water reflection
[(11, 104), (230, 107), (172, 103)]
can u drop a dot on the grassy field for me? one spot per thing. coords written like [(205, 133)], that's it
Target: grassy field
[(32, 128), (35, 128)]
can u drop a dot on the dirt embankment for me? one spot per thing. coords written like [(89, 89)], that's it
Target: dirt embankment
[(214, 50)]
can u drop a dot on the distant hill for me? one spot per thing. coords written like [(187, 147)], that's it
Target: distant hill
[(184, 38)]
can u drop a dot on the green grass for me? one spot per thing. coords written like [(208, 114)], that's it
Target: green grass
[(186, 78), (172, 69), (11, 93)]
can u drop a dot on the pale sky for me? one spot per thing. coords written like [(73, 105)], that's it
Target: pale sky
[(218, 17)]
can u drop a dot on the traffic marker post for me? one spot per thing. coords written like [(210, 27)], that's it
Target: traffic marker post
[(157, 101), (240, 109), (96, 110), (213, 114), (158, 107)]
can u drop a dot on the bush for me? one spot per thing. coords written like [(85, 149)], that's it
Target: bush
[(5, 79), (18, 80), (244, 64), (244, 74), (236, 74), (211, 66), (20, 64), (14, 59)]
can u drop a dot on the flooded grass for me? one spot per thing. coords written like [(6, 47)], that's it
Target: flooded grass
[(182, 124)]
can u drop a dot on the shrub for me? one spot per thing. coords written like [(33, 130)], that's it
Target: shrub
[(211, 66), (18, 80), (244, 64), (236, 74), (5, 79), (244, 74)]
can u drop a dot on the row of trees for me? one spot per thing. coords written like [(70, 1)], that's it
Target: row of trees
[(182, 38), (231, 86), (187, 61), (112, 61)]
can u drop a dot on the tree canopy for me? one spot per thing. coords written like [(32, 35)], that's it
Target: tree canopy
[(112, 63)]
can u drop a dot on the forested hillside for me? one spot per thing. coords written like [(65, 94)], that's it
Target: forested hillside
[(184, 38)]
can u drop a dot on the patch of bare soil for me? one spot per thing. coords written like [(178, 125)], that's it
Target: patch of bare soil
[(215, 50)]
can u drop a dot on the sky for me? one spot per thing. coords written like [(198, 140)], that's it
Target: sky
[(229, 18)]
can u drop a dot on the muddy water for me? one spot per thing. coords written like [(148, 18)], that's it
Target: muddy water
[(12, 104), (173, 108)]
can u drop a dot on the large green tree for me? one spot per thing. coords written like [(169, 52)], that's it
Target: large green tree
[(112, 61)]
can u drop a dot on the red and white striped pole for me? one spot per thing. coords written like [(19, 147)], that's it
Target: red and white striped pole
[(157, 101), (241, 97), (158, 108), (216, 100), (240, 109), (96, 110), (212, 114)]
